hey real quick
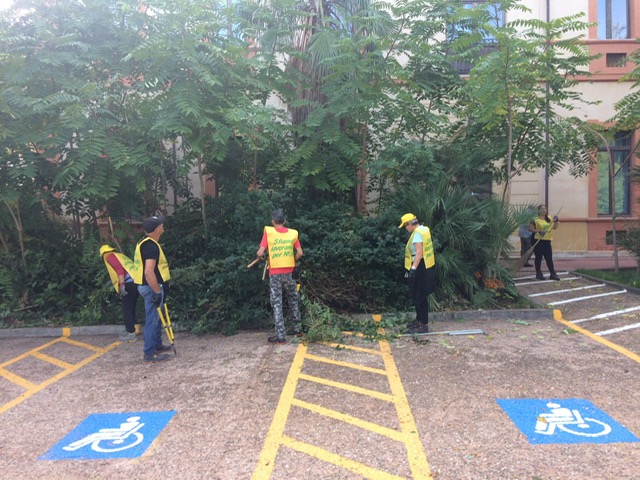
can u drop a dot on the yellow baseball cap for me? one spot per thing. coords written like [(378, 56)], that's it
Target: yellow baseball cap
[(406, 218), (106, 248)]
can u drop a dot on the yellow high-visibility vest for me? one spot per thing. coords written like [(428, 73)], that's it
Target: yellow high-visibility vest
[(427, 248), (281, 250), (137, 271), (542, 224), (124, 260)]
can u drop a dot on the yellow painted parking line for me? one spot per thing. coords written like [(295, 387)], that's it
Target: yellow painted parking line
[(276, 431), (27, 354), (82, 344), (346, 463), (355, 366), (557, 315), (59, 363), (341, 346), (407, 433), (372, 427), (32, 390), (346, 386), (17, 379), (417, 458)]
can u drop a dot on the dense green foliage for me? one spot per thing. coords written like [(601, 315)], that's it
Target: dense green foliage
[(334, 110)]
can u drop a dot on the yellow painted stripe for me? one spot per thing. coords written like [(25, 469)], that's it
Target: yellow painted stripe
[(276, 431), (415, 452), (372, 427), (17, 379), (557, 315), (30, 352), (57, 377), (84, 345), (346, 463), (59, 363), (345, 364), (345, 386), (66, 332), (340, 346)]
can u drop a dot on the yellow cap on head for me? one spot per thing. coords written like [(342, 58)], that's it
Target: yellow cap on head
[(406, 218), (105, 249)]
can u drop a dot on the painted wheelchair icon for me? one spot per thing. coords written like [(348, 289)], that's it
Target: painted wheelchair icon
[(111, 439), (570, 421)]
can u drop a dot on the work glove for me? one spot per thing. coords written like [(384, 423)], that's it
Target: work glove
[(410, 274), (156, 299), (123, 291), (555, 218), (296, 273)]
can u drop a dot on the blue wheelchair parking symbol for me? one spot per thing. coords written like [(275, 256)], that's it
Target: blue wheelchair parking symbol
[(110, 435), (568, 420)]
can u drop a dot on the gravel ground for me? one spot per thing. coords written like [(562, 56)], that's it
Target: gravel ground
[(225, 391)]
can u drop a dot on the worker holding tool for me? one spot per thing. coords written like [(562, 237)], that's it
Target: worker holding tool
[(284, 251), (151, 271), (121, 280), (543, 228), (419, 263)]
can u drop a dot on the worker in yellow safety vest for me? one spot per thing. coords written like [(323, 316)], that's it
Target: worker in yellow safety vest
[(150, 273), (419, 263), (542, 227), (118, 266), (284, 250)]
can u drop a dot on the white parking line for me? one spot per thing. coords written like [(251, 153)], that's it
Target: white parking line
[(566, 290), (542, 282), (571, 300), (606, 315), (533, 276), (619, 329)]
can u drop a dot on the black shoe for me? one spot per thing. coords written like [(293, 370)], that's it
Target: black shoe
[(527, 265), (163, 348), (275, 339), (156, 357), (539, 276), (553, 276), (419, 328)]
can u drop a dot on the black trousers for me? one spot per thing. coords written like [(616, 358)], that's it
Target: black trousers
[(129, 306), (420, 287), (543, 249)]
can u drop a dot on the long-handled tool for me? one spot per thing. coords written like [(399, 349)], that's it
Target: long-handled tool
[(166, 323), (525, 258), (264, 271)]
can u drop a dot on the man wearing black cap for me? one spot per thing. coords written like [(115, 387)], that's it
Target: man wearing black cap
[(151, 272)]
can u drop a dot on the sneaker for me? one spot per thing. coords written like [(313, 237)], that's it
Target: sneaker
[(420, 328), (539, 276), (414, 324), (156, 357), (164, 348), (553, 276), (275, 339), (128, 337)]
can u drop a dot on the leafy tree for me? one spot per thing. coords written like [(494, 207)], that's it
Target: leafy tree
[(515, 91)]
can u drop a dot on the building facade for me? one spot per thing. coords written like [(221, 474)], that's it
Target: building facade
[(585, 204)]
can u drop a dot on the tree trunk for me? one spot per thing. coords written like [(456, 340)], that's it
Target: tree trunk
[(202, 200)]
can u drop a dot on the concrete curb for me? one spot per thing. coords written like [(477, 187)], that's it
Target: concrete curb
[(61, 331), (525, 314), (521, 314)]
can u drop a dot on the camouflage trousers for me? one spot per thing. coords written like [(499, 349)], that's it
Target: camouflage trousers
[(278, 284)]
